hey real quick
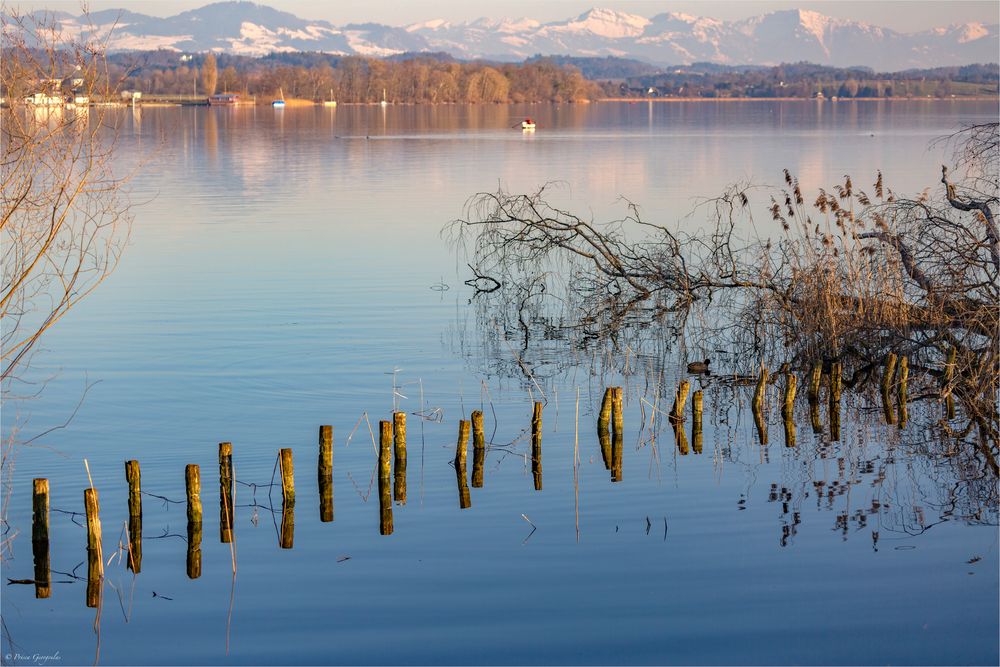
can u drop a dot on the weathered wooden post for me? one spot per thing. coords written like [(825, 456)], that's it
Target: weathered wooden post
[(192, 483), (461, 448), (680, 399), (95, 560), (617, 434), (604, 419), (904, 374), (757, 406), (226, 511), (788, 404), (478, 449), (325, 473), (697, 407), (385, 526), (836, 380), (40, 537), (887, 377), (617, 416), (93, 510), (133, 478), (536, 445), (815, 377), (399, 463), (287, 477)]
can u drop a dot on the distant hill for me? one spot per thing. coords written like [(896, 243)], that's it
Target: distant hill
[(668, 39)]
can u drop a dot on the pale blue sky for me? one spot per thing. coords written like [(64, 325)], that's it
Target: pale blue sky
[(902, 15)]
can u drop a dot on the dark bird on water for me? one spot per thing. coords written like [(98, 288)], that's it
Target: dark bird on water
[(699, 366)]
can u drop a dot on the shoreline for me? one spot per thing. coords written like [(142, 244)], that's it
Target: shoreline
[(963, 98)]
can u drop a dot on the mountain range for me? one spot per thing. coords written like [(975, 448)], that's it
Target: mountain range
[(246, 28)]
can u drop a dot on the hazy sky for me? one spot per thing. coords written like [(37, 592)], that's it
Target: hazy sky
[(901, 15)]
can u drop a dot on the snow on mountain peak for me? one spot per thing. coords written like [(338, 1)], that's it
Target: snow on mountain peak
[(605, 23)]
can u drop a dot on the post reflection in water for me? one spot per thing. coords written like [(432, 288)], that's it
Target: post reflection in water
[(461, 447), (681, 438), (325, 473), (385, 478), (287, 539)]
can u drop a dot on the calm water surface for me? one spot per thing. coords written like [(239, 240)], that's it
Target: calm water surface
[(287, 270)]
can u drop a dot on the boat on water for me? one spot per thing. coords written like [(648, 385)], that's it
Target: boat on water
[(527, 124), (384, 102), (224, 99), (330, 102), (280, 102)]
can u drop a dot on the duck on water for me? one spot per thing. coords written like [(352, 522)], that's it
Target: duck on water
[(699, 367)]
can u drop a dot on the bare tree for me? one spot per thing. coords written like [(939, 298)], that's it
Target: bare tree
[(65, 215), (852, 276)]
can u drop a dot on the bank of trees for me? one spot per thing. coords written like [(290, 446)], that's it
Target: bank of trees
[(421, 80)]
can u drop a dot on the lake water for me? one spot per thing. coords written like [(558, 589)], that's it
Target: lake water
[(287, 269)]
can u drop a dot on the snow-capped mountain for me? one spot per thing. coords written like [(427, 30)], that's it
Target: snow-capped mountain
[(668, 39)]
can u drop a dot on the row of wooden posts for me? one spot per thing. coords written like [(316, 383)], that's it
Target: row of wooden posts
[(392, 466)]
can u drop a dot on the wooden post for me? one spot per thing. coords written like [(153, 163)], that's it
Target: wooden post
[(617, 434), (385, 526), (478, 449), (887, 377), (132, 476), (287, 538), (680, 399), (325, 473), (814, 381), (604, 419), (836, 380), (759, 391), (40, 537), (788, 405), (287, 478), (697, 407), (226, 510), (93, 510), (399, 463), (461, 448), (617, 417), (757, 406), (536, 445), (95, 560), (192, 483), (904, 374)]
